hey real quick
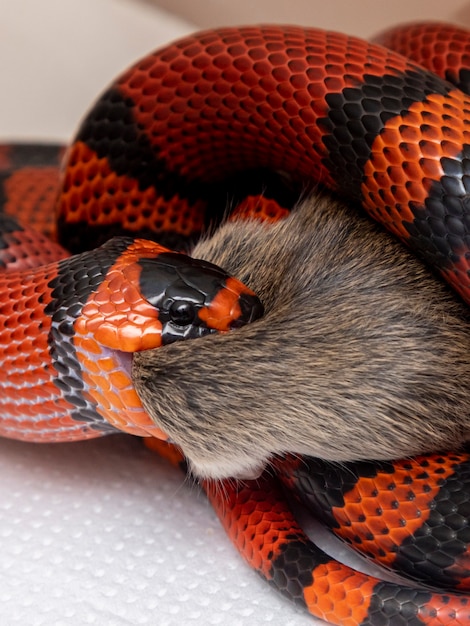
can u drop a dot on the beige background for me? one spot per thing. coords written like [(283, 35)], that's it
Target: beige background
[(360, 17), (57, 55)]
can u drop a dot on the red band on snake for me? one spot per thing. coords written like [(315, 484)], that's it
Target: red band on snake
[(69, 325), (314, 106)]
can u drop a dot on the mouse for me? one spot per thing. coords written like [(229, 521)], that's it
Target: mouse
[(362, 351)]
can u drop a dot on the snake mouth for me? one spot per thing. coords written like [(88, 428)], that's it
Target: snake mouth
[(172, 332), (124, 361)]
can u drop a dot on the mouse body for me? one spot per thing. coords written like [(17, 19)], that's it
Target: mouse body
[(362, 352)]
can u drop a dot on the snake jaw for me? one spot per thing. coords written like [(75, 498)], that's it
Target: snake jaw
[(172, 332)]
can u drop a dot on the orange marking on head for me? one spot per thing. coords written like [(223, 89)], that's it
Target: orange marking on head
[(116, 315), (225, 307)]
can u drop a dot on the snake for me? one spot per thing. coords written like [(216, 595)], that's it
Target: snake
[(376, 122)]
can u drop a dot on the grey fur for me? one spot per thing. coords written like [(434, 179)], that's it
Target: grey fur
[(362, 353)]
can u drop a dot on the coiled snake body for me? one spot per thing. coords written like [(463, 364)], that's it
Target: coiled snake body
[(315, 106)]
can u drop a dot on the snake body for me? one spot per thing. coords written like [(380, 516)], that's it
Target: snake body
[(69, 324), (313, 106)]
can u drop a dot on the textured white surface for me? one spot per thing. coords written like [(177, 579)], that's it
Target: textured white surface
[(104, 532)]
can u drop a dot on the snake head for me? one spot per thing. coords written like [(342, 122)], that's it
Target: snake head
[(194, 297), (127, 296), (151, 296)]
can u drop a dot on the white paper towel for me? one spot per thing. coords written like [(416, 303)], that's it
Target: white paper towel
[(105, 532)]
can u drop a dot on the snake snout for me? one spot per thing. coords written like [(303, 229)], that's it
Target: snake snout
[(251, 309)]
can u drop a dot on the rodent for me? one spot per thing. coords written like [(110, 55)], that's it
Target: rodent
[(362, 352)]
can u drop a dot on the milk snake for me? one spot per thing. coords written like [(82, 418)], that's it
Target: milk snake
[(149, 158)]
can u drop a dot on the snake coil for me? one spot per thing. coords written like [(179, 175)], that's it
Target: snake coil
[(315, 106)]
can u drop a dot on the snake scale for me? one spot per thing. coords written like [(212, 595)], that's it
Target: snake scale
[(147, 162)]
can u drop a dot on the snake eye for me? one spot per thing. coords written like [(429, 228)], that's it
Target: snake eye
[(182, 312)]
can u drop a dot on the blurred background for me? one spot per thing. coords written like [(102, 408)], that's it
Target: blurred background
[(57, 55), (363, 17), (102, 532)]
